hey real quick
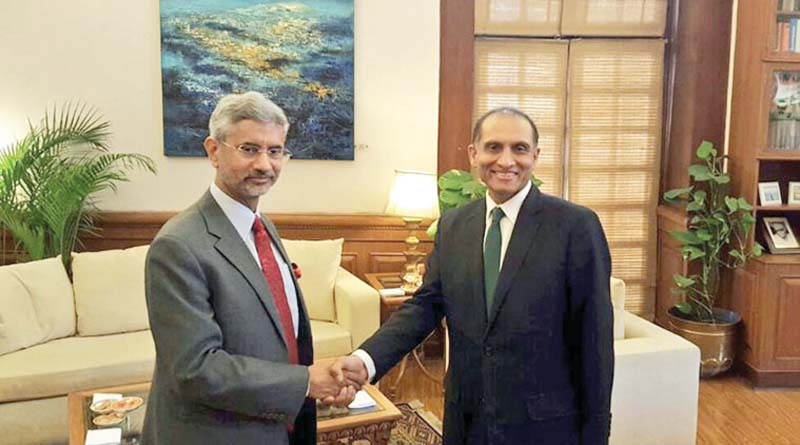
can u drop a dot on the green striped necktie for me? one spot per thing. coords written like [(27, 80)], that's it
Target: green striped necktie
[(491, 257)]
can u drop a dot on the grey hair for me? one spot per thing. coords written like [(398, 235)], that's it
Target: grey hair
[(251, 105), (478, 129)]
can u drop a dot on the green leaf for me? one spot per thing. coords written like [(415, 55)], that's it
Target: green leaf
[(757, 249), (694, 206), (684, 307), (673, 194), (682, 281), (473, 189), (686, 237), (692, 253), (705, 150), (732, 203), (432, 229), (736, 254), (453, 198), (722, 179), (703, 235), (454, 179), (744, 205), (699, 172)]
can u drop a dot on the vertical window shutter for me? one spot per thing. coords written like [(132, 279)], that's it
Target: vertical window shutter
[(517, 17), (615, 109), (614, 17), (529, 75)]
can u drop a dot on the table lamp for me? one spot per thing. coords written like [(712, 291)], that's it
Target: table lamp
[(413, 197)]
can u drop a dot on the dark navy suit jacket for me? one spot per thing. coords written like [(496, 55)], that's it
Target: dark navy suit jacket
[(538, 368)]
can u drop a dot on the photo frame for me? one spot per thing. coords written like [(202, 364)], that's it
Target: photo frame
[(779, 236), (769, 193), (794, 193)]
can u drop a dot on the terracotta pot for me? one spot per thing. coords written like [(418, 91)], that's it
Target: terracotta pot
[(717, 342)]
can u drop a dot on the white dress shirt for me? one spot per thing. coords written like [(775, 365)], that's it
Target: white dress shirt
[(242, 219), (511, 209)]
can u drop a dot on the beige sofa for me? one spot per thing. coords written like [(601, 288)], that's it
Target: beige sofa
[(656, 381), (58, 336)]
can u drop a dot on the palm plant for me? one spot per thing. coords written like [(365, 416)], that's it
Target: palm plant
[(717, 233), (48, 179)]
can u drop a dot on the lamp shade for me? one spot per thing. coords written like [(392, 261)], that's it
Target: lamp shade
[(414, 195)]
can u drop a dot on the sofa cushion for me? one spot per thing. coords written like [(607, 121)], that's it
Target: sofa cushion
[(36, 304), (319, 262), (71, 364), (109, 291), (618, 302), (330, 340)]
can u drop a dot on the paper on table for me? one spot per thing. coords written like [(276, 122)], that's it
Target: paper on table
[(392, 292), (106, 436), (362, 400), (98, 396)]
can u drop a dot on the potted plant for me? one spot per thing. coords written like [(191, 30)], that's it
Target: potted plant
[(48, 180), (716, 238)]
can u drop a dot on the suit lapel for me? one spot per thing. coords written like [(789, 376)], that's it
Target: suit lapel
[(230, 245), (475, 225), (522, 238)]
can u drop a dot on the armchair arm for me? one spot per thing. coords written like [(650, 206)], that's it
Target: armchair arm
[(358, 306)]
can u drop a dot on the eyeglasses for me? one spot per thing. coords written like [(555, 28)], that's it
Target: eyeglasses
[(252, 151)]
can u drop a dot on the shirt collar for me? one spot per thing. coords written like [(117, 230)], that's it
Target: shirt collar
[(238, 214), (511, 207)]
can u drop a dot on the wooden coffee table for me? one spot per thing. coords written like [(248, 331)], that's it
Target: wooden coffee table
[(374, 425)]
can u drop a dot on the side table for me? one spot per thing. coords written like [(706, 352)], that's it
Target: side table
[(392, 280)]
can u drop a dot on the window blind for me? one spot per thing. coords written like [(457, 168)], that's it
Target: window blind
[(530, 75), (614, 17), (518, 17), (614, 127)]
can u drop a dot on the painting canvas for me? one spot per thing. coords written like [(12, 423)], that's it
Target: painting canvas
[(298, 53)]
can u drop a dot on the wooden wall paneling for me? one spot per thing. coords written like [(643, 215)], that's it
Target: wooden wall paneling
[(372, 243), (787, 345), (697, 62), (456, 61)]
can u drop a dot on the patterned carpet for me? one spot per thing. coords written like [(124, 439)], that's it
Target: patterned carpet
[(417, 426)]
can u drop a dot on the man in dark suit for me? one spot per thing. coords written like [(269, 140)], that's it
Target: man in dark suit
[(233, 341), (523, 279)]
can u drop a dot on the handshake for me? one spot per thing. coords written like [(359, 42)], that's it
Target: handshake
[(336, 383)]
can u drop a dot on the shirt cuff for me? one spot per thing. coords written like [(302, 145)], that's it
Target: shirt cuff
[(368, 363)]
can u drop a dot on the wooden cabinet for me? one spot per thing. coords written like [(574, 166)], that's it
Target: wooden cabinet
[(764, 146)]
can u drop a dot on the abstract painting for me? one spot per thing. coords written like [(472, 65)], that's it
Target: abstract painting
[(298, 53)]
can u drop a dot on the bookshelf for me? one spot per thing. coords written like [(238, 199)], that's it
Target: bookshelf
[(764, 146)]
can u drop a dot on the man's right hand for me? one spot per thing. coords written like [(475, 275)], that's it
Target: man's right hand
[(323, 383)]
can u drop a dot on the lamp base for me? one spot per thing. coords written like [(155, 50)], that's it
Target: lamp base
[(412, 279)]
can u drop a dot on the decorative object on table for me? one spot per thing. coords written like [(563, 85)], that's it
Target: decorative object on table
[(784, 113), (459, 187), (716, 237), (299, 53), (50, 177), (779, 236), (794, 193), (769, 194), (413, 197)]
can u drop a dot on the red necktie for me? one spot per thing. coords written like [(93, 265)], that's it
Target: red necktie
[(275, 282)]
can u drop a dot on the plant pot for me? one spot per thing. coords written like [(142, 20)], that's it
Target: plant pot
[(717, 341)]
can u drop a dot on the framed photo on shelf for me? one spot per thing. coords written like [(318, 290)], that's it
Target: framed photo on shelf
[(794, 193), (769, 193), (779, 236)]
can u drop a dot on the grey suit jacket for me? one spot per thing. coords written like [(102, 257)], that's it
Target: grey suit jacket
[(222, 372), (538, 367)]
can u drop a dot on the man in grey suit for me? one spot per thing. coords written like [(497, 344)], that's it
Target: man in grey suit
[(523, 279), (233, 341)]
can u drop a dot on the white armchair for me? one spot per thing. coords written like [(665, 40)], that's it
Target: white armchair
[(656, 381)]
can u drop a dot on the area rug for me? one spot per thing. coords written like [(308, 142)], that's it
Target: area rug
[(417, 426)]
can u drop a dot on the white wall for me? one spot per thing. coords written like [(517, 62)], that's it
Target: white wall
[(106, 53)]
